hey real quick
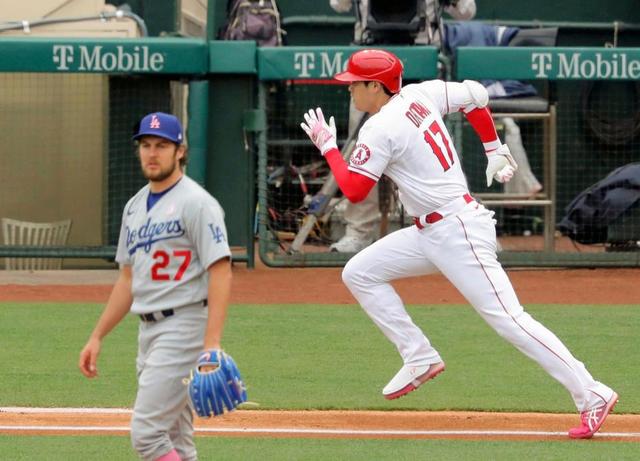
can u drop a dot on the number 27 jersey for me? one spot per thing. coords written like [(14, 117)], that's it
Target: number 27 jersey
[(407, 140), (171, 246)]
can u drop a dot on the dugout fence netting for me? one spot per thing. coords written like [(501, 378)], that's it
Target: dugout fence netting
[(294, 171), (68, 152), (587, 130), (69, 155)]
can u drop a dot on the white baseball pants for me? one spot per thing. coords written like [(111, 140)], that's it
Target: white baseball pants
[(463, 247)]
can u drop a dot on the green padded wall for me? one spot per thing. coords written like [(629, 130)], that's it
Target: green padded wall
[(230, 172)]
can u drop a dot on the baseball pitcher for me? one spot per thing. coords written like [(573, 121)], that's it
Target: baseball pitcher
[(175, 275)]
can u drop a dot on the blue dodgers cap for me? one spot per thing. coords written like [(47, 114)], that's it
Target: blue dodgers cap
[(160, 124)]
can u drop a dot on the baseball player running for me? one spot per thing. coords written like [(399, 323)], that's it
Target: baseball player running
[(406, 139), (174, 261)]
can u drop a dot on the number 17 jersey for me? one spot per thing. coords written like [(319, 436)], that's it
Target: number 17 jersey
[(407, 140)]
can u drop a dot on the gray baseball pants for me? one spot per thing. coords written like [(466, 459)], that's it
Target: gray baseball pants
[(167, 351)]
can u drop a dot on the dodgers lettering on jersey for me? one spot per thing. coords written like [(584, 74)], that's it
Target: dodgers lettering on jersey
[(408, 141), (171, 246), (150, 232)]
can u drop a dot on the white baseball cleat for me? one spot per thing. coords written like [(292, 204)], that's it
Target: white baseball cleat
[(409, 378)]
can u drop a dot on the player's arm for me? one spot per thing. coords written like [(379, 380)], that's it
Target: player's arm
[(219, 292), (205, 224), (117, 307), (471, 98), (353, 185)]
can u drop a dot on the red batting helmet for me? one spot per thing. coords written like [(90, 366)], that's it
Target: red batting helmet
[(374, 65)]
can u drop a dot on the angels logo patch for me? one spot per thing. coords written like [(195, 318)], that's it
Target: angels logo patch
[(360, 155)]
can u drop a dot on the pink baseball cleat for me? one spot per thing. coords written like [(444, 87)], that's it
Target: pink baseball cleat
[(409, 378), (592, 419)]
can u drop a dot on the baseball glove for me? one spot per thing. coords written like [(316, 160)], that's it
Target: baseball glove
[(215, 384)]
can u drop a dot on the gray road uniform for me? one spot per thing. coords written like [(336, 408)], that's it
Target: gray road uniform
[(169, 248)]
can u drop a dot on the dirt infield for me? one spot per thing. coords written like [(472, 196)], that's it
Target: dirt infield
[(266, 286), (334, 424), (263, 285)]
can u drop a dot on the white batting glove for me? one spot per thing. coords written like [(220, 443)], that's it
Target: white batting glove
[(321, 133), (501, 166)]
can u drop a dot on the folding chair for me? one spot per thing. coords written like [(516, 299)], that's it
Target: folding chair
[(27, 233)]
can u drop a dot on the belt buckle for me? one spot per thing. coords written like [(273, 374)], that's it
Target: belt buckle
[(147, 317), (434, 216), (431, 218), (163, 314), (156, 316)]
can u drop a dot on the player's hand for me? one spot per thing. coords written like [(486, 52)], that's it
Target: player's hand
[(501, 166), (89, 358), (340, 7), (321, 133)]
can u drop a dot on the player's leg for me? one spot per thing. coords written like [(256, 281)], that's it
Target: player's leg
[(181, 435), (470, 263), (168, 350), (361, 224), (367, 275)]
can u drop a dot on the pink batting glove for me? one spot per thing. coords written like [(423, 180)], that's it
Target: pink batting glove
[(321, 133)]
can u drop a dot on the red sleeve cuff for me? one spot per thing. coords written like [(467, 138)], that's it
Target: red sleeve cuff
[(482, 122)]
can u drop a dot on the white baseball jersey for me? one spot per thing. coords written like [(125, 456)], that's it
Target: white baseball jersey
[(408, 141), (171, 246)]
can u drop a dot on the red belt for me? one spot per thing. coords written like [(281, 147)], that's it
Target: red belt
[(435, 216)]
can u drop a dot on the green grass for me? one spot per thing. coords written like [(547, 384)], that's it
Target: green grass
[(305, 357), (325, 357), (83, 448)]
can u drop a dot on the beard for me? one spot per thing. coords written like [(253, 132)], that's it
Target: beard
[(160, 174)]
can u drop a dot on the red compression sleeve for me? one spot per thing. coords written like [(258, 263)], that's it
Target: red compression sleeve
[(354, 186), (481, 121)]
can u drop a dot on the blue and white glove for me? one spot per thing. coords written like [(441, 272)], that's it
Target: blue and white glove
[(215, 384), (321, 133)]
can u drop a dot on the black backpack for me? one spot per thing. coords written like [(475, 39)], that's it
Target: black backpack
[(257, 20)]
